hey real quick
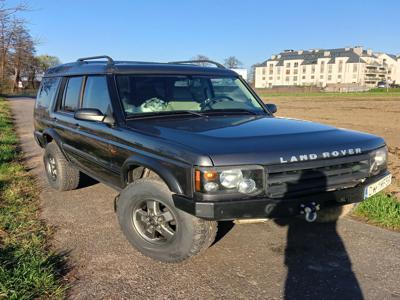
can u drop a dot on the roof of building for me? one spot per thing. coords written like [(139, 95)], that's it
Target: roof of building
[(312, 56), (83, 67)]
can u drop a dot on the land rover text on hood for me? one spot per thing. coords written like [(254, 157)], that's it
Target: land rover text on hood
[(188, 145)]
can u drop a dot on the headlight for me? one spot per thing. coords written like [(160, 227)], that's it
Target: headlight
[(243, 179), (378, 161)]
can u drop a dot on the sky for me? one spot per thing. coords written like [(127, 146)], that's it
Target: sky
[(252, 30)]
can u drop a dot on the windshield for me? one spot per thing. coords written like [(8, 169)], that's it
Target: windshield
[(141, 95)]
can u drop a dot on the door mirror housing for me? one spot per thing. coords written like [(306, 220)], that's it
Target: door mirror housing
[(272, 108), (93, 115)]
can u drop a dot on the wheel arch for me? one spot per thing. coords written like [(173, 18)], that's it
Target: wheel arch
[(160, 168), (50, 135)]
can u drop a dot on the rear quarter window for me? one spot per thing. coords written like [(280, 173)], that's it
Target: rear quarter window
[(72, 94), (47, 91)]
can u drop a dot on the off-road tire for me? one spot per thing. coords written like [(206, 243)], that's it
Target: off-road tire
[(67, 176), (332, 214), (192, 236)]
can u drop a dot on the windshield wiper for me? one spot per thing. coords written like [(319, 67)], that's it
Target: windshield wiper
[(233, 111), (165, 114), (192, 112)]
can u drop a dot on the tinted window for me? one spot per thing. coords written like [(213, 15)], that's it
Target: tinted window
[(96, 94), (47, 91), (72, 93)]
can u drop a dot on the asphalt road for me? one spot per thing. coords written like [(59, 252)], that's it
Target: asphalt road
[(292, 260)]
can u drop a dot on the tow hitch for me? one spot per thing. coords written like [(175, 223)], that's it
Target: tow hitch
[(309, 211)]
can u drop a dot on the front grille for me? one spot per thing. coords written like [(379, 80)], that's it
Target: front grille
[(296, 179)]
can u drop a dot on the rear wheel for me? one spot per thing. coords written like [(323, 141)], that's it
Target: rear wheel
[(60, 173), (152, 224)]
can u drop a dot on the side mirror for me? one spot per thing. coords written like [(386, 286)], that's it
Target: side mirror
[(272, 108), (89, 114)]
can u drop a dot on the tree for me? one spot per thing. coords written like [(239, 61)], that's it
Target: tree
[(47, 61), (201, 57), (232, 62), (22, 54), (12, 43)]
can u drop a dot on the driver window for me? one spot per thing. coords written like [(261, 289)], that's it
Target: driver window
[(96, 94)]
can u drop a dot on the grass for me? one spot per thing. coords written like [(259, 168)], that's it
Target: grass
[(381, 209), (28, 269)]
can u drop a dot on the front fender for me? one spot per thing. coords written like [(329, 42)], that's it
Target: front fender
[(177, 175)]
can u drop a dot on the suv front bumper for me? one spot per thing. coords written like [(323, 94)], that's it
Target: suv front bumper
[(271, 208)]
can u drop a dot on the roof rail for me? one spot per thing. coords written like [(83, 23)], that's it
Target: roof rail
[(109, 59), (198, 61)]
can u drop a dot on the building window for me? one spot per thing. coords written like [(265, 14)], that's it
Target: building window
[(329, 77), (354, 68), (295, 78), (271, 65), (278, 69), (322, 67), (263, 78), (263, 71), (339, 76), (270, 78), (321, 77), (271, 71), (304, 69), (287, 72), (303, 77), (287, 78), (278, 78), (288, 65), (313, 69), (340, 66), (354, 76), (312, 76), (295, 71), (329, 68), (296, 64)]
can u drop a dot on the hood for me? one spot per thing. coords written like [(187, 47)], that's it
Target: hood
[(237, 140)]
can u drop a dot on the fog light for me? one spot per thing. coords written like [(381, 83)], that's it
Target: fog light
[(211, 186), (246, 186)]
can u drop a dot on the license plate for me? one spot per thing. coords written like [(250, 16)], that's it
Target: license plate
[(378, 186)]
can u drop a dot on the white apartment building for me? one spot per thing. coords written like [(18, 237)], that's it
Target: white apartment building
[(330, 66)]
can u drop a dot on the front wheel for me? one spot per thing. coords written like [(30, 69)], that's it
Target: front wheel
[(152, 224)]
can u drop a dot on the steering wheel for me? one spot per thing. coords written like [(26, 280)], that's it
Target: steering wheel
[(210, 101)]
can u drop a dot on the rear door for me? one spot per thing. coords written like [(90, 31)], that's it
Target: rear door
[(63, 117)]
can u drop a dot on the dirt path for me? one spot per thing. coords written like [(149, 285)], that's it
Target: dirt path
[(347, 260)]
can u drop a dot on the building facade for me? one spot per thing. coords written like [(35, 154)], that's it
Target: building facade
[(328, 67)]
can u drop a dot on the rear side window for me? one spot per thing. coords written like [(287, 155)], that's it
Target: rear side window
[(47, 91), (72, 94), (96, 94)]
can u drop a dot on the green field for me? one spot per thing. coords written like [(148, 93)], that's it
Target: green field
[(28, 269), (382, 210)]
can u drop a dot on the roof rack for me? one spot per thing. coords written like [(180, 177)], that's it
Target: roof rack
[(198, 61), (109, 59)]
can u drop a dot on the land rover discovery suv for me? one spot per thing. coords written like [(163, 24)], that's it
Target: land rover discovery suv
[(188, 145)]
